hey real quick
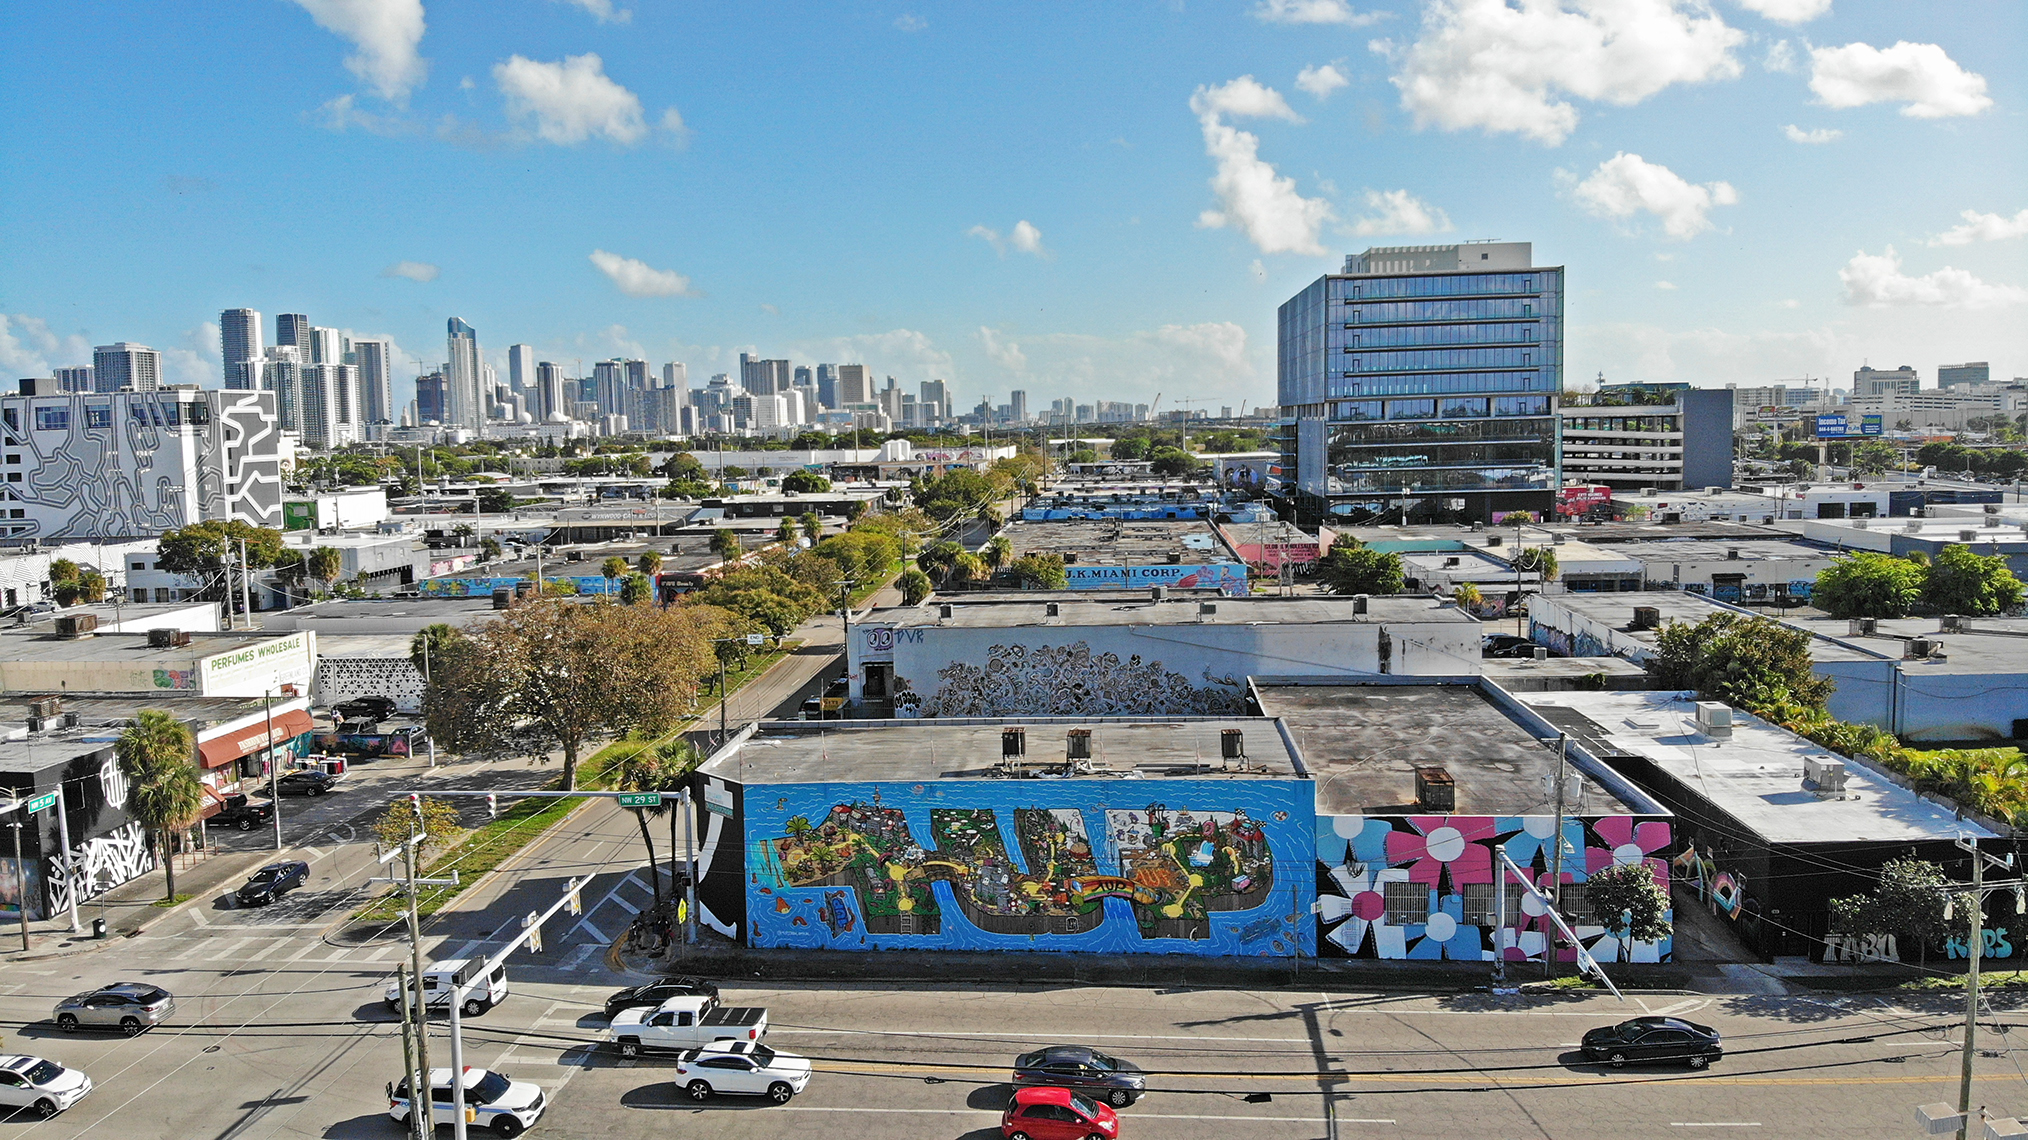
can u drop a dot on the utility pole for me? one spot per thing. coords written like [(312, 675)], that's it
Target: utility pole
[(20, 886), (421, 1110), (1556, 854), (1974, 944), (245, 585), (274, 762)]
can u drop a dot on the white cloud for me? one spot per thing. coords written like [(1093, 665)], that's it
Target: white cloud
[(569, 102), (1627, 184), (1399, 212), (28, 347), (1003, 352), (1212, 360), (1313, 12), (1816, 137), (1788, 11), (1666, 286), (1920, 75), (1254, 198), (637, 278), (1984, 227), (603, 11), (196, 360), (413, 270), (907, 354), (1321, 80), (1878, 281), (1501, 67), (1023, 238), (1781, 56), (910, 23), (386, 32)]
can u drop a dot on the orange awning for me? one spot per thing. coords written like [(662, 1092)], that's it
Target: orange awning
[(254, 738)]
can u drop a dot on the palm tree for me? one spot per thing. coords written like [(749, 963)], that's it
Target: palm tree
[(999, 551), (649, 563), (612, 568), (655, 770), (164, 795), (725, 544)]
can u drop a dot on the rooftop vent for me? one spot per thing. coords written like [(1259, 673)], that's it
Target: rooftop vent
[(1824, 775), (1862, 627), (1052, 609), (1478, 527), (1077, 744), (1451, 561), (1158, 593), (167, 638), (1557, 539), (1207, 609), (1359, 603), (1649, 492), (1992, 508), (1917, 648), (45, 706), (1968, 536), (1540, 653), (502, 599), (1435, 791), (1013, 742), (1714, 719), (1646, 617), (1492, 540), (1232, 744), (1951, 623), (1732, 554), (945, 610), (77, 625)]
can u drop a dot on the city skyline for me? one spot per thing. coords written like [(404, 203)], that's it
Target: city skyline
[(1115, 212)]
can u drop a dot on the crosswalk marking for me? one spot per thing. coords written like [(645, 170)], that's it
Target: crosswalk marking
[(630, 908)]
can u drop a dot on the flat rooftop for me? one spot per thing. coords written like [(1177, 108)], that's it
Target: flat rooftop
[(1363, 743), (685, 552), (1120, 542), (1082, 609), (1756, 775), (1984, 645), (100, 721), (123, 646), (112, 615), (811, 752), (1705, 550), (377, 616)]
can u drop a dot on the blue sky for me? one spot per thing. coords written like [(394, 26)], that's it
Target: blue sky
[(1102, 200)]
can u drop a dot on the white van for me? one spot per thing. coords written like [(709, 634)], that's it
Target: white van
[(444, 977)]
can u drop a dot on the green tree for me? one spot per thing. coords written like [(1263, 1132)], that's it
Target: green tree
[(611, 568), (439, 825), (786, 532), (324, 564), (1351, 568), (1874, 457), (958, 494), (725, 543), (489, 547), (915, 586), (649, 563), (1538, 560), (969, 567), (1628, 902), (495, 500), (1961, 582), (813, 526), (1130, 448), (1174, 462), (1040, 572), (1082, 455), (1912, 901), (1751, 662), (429, 645), (937, 559), (156, 756), (1867, 584), (685, 467), (202, 549), (805, 482), (72, 583), (655, 769), (634, 589), (1467, 596), (998, 550)]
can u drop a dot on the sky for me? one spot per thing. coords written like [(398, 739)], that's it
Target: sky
[(1088, 200)]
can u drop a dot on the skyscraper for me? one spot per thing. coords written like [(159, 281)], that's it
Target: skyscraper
[(549, 396), (609, 386), (521, 368), (126, 365), (322, 346), (281, 373), (1953, 375), (293, 330), (376, 384), (855, 385), (239, 341), (827, 385), (75, 379), (1017, 406), (676, 374), (330, 408), (1424, 375), (430, 398), (464, 406)]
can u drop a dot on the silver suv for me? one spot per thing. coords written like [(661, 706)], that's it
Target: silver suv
[(129, 1007)]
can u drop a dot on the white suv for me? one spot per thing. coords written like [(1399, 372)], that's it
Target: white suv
[(492, 1100), (742, 1068), (43, 1087), (443, 978)]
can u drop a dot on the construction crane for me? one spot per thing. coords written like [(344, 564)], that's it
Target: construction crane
[(1186, 417)]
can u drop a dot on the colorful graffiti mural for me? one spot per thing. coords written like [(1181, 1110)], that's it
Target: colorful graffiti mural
[(1422, 887), (977, 865), (484, 587), (1722, 891)]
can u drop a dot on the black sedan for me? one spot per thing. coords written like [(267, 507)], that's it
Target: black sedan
[(659, 991), (374, 709), (1506, 645), (1654, 1041), (307, 782), (1118, 1083), (272, 882)]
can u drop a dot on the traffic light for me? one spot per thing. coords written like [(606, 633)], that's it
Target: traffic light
[(492, 806), (534, 927), (577, 902)]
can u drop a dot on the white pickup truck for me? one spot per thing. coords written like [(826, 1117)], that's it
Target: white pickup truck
[(685, 1023)]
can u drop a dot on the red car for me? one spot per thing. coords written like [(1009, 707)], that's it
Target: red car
[(1057, 1114)]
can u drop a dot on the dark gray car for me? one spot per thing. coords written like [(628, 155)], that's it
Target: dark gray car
[(1118, 1083), (129, 1007)]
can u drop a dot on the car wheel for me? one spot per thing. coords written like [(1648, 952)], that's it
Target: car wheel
[(317, 791), (780, 1092), (698, 1090), (67, 1023), (131, 1026), (1120, 1098), (244, 825), (1617, 1060), (44, 1108), (505, 1125), (1017, 1136), (1699, 1060), (630, 1049), (474, 1007)]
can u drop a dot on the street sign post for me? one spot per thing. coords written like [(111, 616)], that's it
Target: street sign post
[(45, 800), (640, 799)]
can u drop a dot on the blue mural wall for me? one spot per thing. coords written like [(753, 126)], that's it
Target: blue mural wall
[(1173, 866)]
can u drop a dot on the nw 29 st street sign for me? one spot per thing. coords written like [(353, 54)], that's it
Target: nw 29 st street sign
[(641, 799)]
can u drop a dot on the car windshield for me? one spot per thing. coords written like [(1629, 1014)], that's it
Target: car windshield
[(1101, 1061), (762, 1054), (1090, 1110), (489, 1088), (43, 1072)]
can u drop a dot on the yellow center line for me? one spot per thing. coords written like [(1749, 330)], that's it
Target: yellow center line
[(1545, 1081)]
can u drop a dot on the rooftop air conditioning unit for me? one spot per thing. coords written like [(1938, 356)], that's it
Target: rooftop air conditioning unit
[(1013, 742), (1451, 561), (45, 706), (1478, 527), (1824, 774), (1968, 536), (945, 610), (1492, 540), (167, 638), (1862, 627), (1051, 609), (77, 625), (1207, 609), (1077, 744), (1158, 593), (1359, 603), (1435, 790), (1860, 523), (1732, 554), (1557, 539), (1951, 623), (1646, 617), (1918, 648), (1232, 744), (1540, 652), (1992, 508), (1714, 719), (1650, 492), (1912, 526)]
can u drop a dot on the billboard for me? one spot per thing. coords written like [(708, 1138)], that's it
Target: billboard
[(1576, 502), (1869, 424), (1833, 427)]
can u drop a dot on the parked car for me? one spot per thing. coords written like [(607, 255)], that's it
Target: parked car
[(306, 782), (45, 1088), (685, 1023), (495, 1100), (1118, 1083), (443, 978), (1654, 1041), (243, 813), (129, 1007), (1506, 645), (812, 709), (1056, 1114), (272, 882), (659, 991), (375, 709), (742, 1068)]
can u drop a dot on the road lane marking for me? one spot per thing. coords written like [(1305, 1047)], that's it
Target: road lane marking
[(1138, 1115), (1714, 1124), (598, 937), (623, 904), (581, 955)]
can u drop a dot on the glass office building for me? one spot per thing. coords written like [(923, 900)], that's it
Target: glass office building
[(1425, 374)]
